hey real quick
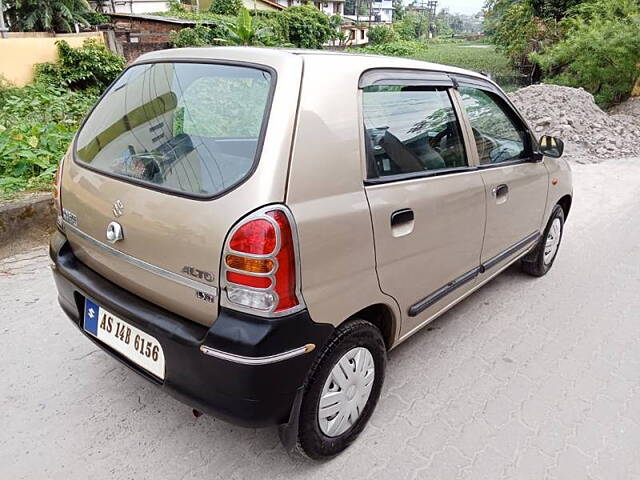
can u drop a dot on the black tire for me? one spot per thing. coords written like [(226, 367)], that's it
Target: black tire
[(534, 263), (312, 442)]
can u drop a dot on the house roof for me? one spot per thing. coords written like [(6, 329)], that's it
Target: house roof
[(159, 18), (273, 4)]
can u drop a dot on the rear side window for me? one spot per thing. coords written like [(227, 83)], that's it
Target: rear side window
[(498, 135), (411, 129), (189, 128)]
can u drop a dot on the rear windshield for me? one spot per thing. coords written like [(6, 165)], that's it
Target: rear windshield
[(189, 128)]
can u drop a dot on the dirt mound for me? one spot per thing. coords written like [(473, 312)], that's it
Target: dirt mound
[(589, 133)]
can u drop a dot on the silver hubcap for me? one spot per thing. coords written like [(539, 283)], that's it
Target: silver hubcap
[(553, 241), (346, 391)]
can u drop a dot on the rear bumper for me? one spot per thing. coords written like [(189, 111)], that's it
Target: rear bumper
[(241, 369)]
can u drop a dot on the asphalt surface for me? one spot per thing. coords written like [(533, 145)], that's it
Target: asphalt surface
[(527, 378)]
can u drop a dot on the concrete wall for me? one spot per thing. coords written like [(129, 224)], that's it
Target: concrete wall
[(21, 51)]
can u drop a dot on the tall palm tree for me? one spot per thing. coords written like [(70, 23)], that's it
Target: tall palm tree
[(46, 15)]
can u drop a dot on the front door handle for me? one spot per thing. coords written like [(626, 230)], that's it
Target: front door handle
[(402, 216)]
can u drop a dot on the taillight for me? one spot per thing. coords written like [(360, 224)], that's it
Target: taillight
[(57, 193), (259, 267)]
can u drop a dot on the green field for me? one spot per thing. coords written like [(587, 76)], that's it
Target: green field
[(473, 56), (477, 56)]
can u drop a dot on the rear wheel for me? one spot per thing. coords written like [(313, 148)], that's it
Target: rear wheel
[(342, 390), (541, 258)]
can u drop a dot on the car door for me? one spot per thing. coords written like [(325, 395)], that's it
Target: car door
[(516, 181), (427, 199)]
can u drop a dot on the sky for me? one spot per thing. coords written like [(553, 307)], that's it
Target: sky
[(460, 6)]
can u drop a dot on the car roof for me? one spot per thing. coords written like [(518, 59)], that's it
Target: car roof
[(263, 55)]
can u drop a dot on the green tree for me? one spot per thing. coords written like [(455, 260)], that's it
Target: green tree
[(600, 50), (46, 15), (412, 26), (225, 7), (555, 9), (398, 10), (305, 26)]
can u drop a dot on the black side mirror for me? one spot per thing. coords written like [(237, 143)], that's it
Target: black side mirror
[(551, 146)]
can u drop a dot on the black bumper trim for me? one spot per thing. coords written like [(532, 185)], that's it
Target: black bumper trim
[(249, 395)]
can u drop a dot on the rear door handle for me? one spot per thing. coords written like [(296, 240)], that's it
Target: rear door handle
[(399, 217), (500, 190)]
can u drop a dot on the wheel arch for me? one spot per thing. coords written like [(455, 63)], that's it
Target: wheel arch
[(383, 318), (565, 203)]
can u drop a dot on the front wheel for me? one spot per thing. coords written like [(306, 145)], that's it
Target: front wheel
[(541, 258), (342, 391)]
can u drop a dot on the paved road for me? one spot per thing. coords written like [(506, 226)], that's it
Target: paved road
[(525, 379)]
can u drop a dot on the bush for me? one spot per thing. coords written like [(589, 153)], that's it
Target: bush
[(599, 52), (382, 34), (198, 36), (399, 48), (37, 123), (225, 7), (90, 66), (305, 26)]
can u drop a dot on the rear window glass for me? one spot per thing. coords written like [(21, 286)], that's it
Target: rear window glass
[(183, 127)]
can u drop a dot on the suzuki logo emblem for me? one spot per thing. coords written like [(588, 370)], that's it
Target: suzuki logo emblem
[(92, 313), (118, 208)]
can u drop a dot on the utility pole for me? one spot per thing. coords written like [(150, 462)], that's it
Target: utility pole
[(3, 27), (431, 7)]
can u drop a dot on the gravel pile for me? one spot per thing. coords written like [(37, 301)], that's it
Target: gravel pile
[(629, 107), (589, 133)]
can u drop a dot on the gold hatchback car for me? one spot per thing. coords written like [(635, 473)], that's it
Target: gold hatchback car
[(253, 229)]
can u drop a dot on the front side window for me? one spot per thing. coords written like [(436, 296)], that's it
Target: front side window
[(411, 129), (183, 127), (498, 136)]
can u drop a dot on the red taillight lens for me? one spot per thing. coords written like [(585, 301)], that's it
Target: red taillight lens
[(249, 280), (286, 273), (257, 237), (271, 277)]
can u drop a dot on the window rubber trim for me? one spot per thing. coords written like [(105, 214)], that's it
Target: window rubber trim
[(465, 278), (173, 192), (418, 175)]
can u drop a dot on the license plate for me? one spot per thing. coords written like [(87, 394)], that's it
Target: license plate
[(138, 346)]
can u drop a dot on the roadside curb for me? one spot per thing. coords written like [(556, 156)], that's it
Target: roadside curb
[(18, 218)]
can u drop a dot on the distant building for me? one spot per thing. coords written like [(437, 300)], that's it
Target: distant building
[(330, 7), (382, 11), (249, 5)]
